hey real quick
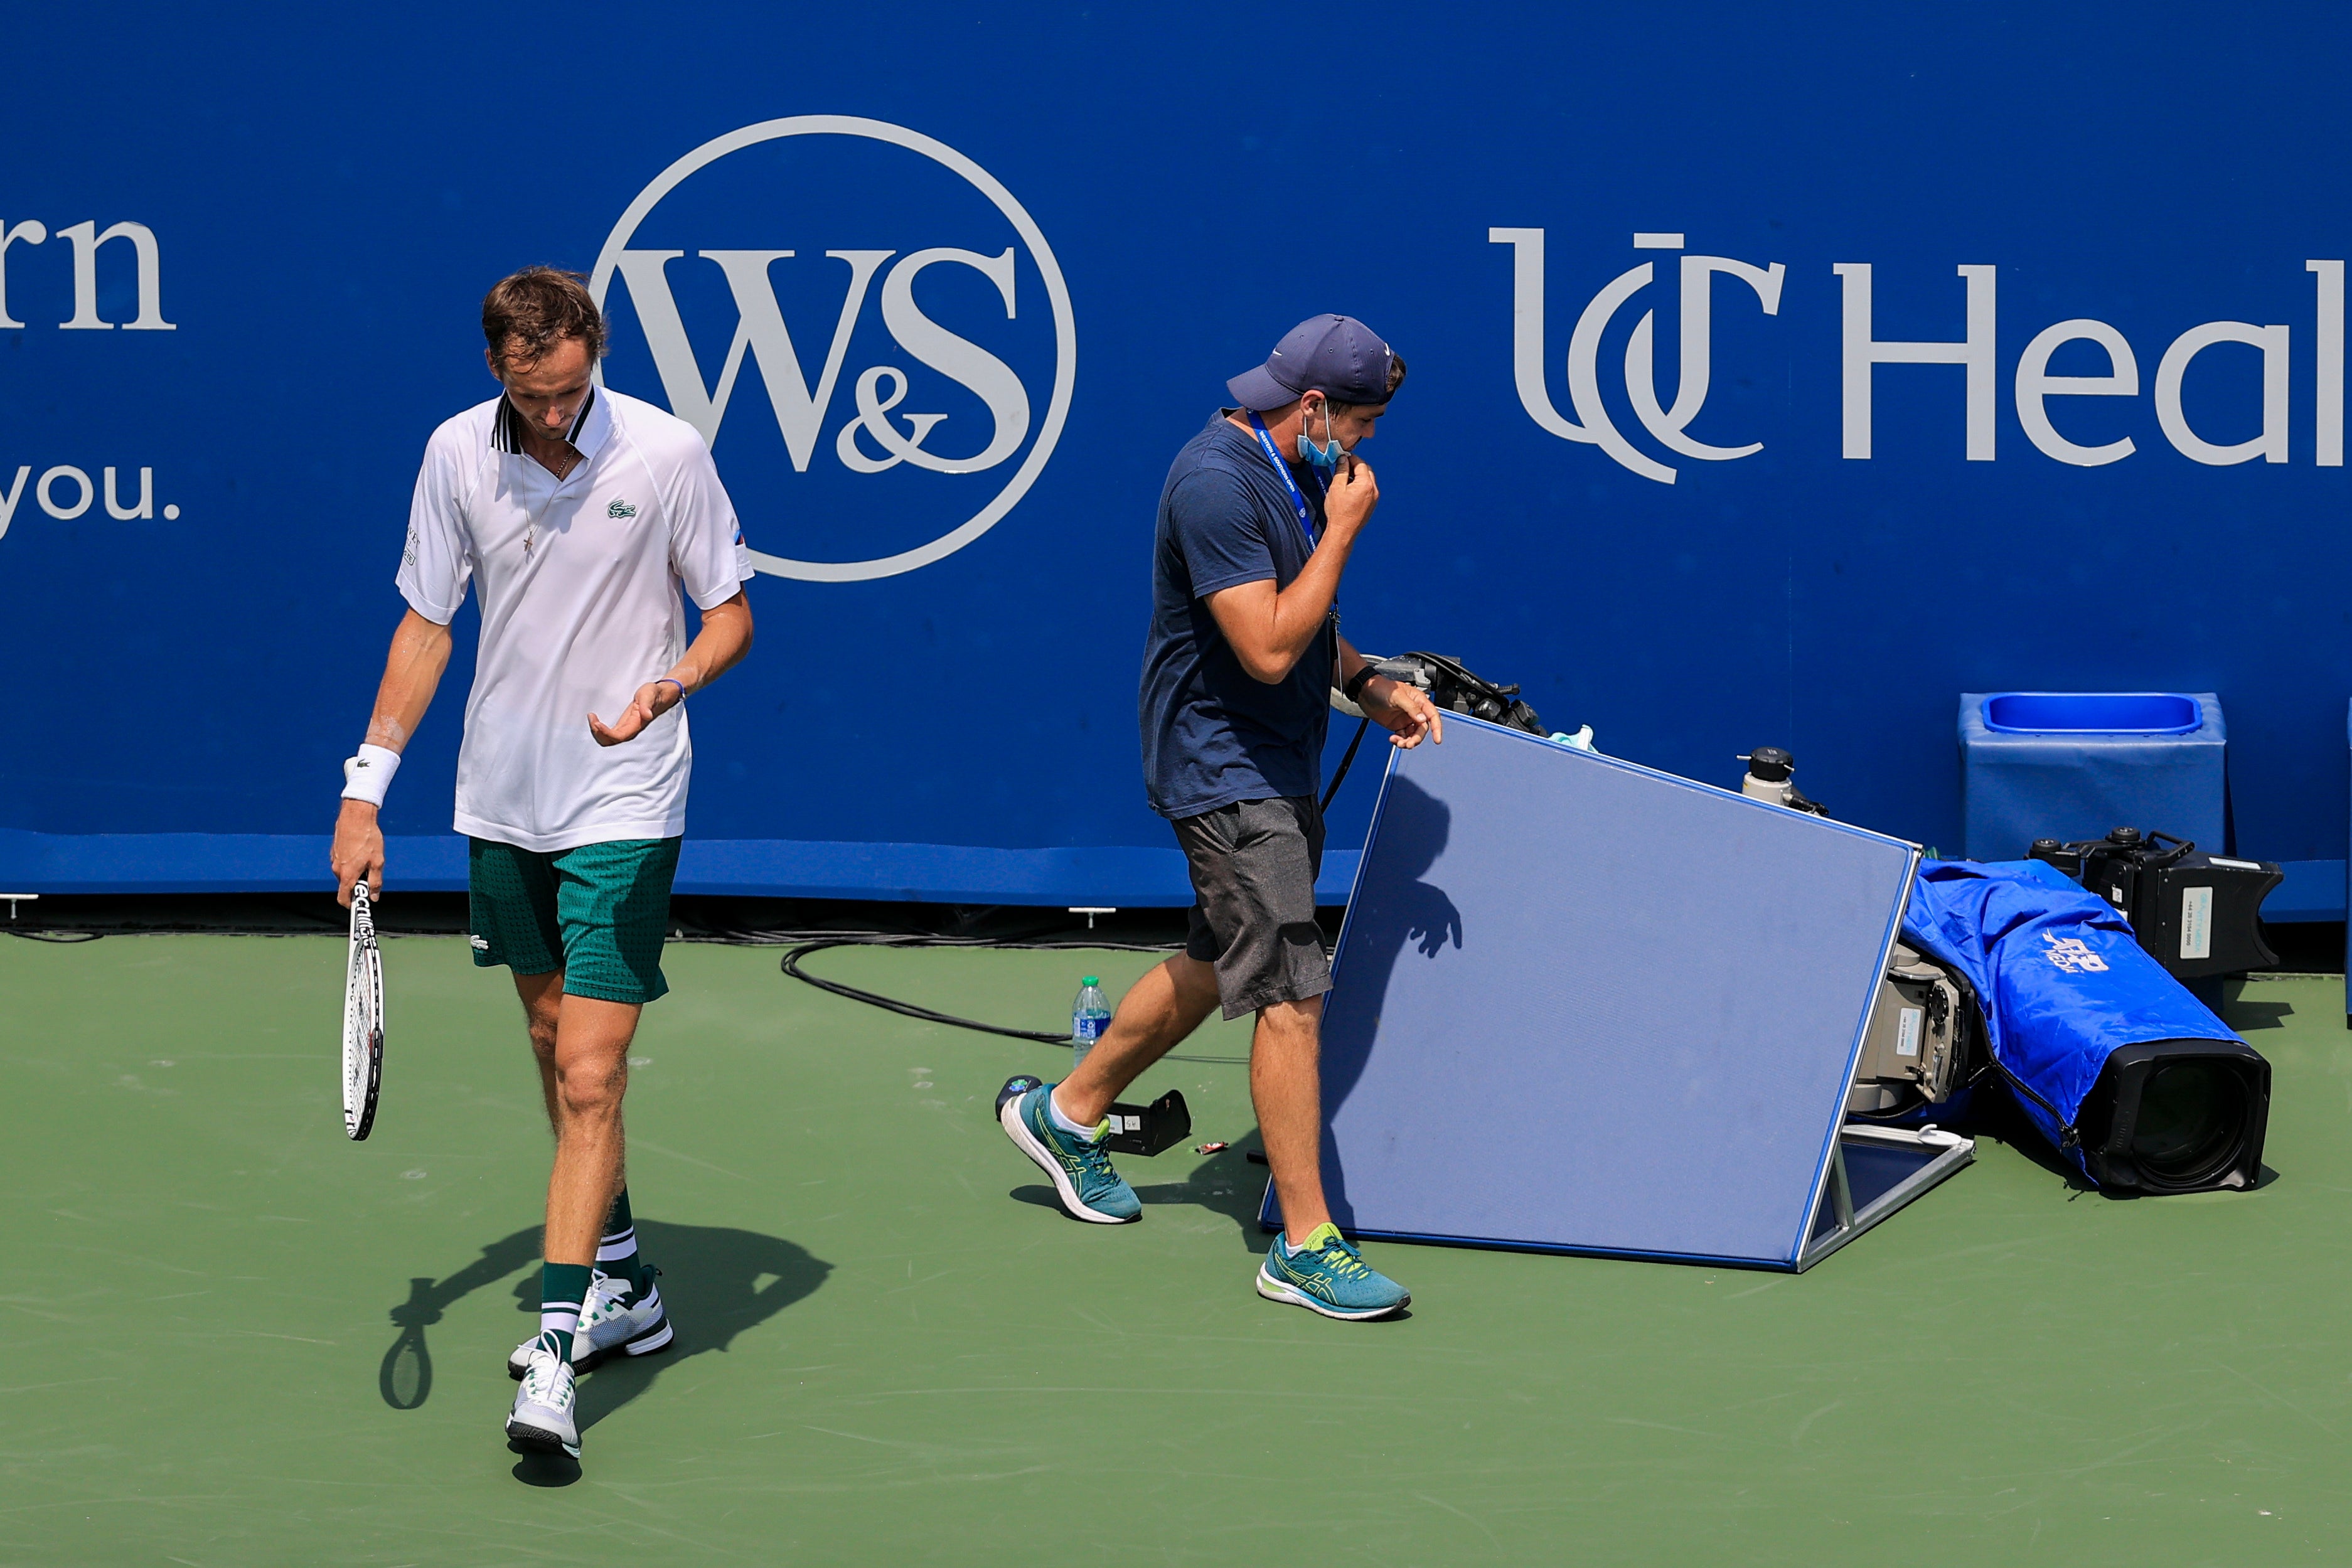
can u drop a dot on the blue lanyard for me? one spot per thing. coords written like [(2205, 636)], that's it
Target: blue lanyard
[(1289, 480)]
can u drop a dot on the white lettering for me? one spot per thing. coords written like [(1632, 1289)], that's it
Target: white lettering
[(146, 508), (1697, 351), (761, 322), (2271, 445), (759, 329), (2327, 435), (49, 503), (1527, 331), (1584, 380), (674, 358), (31, 231), (8, 501), (873, 417), (1592, 423), (2073, 955), (2034, 384), (86, 241), (1974, 351), (990, 378)]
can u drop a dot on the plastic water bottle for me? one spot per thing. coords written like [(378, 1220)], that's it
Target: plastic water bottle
[(1089, 1015)]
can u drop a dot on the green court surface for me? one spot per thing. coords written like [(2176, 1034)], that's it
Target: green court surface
[(234, 1338)]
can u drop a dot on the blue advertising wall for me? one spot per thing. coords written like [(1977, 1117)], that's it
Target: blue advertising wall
[(948, 287)]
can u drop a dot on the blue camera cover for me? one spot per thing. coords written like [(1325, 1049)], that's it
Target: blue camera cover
[(2063, 982)]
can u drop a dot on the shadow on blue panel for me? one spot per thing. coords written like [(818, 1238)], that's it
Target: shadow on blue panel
[(1393, 912)]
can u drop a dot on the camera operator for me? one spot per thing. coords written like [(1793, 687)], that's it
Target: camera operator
[(1257, 519)]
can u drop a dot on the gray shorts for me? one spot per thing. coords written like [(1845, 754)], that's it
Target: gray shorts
[(1254, 865)]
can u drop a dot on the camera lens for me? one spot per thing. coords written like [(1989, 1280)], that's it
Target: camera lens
[(2192, 1115)]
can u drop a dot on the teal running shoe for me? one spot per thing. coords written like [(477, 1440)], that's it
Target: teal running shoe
[(1328, 1276), (1089, 1189)]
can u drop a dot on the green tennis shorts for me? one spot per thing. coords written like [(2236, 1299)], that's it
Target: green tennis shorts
[(598, 912)]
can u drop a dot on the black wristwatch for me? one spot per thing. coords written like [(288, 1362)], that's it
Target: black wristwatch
[(1354, 690)]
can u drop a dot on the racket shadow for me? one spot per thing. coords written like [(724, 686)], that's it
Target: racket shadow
[(717, 1281), (406, 1378)]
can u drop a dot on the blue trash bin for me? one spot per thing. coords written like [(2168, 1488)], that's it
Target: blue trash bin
[(2072, 765)]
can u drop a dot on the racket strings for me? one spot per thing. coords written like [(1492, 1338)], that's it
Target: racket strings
[(363, 1019)]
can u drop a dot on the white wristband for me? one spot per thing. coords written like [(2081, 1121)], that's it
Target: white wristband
[(368, 776)]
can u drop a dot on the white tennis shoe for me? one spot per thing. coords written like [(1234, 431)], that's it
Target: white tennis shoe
[(610, 1325), (542, 1406)]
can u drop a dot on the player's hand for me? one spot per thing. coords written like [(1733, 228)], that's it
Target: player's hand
[(1405, 711), (654, 699), (1351, 496), (357, 852)]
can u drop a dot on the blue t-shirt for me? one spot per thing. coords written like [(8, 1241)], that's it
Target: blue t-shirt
[(1211, 734)]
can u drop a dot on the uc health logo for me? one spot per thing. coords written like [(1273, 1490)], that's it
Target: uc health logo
[(907, 327), (1669, 426), (2046, 404)]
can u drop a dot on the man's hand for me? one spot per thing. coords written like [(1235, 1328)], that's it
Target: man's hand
[(1405, 711), (1350, 497), (654, 699), (357, 852)]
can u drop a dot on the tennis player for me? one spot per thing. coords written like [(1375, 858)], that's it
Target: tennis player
[(578, 514), (1257, 522)]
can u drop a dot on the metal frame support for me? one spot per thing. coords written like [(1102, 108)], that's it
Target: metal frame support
[(1945, 1153)]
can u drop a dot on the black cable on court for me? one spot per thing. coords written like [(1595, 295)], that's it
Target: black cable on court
[(804, 943)]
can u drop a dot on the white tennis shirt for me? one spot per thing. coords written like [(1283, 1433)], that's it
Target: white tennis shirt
[(578, 582)]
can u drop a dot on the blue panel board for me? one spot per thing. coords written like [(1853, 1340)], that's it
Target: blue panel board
[(1584, 1005)]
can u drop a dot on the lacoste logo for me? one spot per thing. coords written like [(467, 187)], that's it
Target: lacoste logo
[(2073, 955), (621, 509)]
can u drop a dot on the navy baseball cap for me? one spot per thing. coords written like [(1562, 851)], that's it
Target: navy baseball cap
[(1337, 355)]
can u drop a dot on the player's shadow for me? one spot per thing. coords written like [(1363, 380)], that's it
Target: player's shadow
[(1226, 1183), (716, 1283)]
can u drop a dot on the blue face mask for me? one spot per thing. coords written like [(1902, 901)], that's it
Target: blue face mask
[(1325, 454)]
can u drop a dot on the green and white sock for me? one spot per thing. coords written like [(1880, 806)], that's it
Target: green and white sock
[(616, 1254), (562, 1287)]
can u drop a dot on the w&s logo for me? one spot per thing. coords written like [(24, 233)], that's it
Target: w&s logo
[(869, 331)]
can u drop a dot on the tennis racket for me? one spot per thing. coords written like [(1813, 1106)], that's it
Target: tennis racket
[(362, 1018)]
